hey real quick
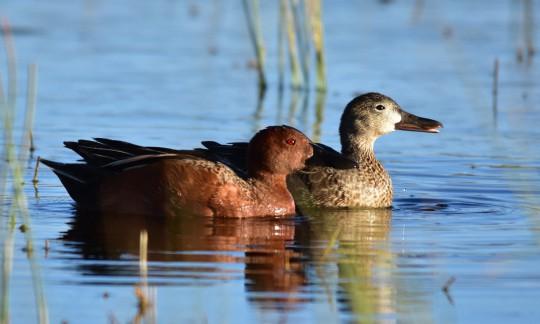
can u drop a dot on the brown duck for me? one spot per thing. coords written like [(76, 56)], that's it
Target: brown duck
[(366, 184), (122, 177)]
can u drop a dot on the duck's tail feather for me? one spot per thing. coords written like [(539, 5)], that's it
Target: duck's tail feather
[(79, 179), (102, 151)]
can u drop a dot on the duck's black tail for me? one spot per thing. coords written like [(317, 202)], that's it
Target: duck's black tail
[(79, 179)]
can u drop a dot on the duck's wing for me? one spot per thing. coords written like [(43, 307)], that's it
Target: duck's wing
[(79, 178), (234, 155), (102, 151), (325, 156), (112, 155), (103, 157)]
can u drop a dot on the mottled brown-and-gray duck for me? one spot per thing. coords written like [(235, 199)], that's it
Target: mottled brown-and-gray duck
[(365, 184)]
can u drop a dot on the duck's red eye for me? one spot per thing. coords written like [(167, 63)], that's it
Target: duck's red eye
[(290, 141)]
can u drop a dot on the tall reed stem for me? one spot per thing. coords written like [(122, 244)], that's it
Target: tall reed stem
[(253, 21), (314, 9), (281, 47), (299, 18), (14, 166), (296, 77)]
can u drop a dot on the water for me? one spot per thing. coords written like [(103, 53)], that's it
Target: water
[(171, 74)]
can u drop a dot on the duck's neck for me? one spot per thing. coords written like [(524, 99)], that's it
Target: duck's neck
[(358, 148), (270, 179), (272, 188)]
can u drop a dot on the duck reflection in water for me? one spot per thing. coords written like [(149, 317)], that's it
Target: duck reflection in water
[(196, 251), (355, 243), (279, 257)]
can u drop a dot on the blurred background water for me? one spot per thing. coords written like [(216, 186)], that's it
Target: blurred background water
[(173, 73)]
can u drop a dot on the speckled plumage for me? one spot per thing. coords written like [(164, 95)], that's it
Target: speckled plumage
[(364, 184), (366, 118), (368, 186)]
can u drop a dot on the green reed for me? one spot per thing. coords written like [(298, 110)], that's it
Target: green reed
[(13, 165), (300, 30)]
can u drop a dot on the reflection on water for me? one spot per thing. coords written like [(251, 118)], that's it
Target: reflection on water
[(356, 242), (297, 99), (320, 101), (195, 250), (277, 255)]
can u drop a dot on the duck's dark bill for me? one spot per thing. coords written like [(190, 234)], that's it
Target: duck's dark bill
[(410, 122), (326, 156)]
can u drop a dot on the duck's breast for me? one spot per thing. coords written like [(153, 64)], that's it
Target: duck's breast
[(329, 187)]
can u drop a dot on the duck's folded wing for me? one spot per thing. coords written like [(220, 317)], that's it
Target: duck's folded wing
[(102, 151), (325, 156), (113, 155), (80, 179), (142, 160), (234, 155)]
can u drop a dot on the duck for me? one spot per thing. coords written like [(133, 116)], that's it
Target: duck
[(121, 177), (364, 184)]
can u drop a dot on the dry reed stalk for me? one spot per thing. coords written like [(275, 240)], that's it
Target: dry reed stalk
[(31, 94), (317, 31), (255, 34), (296, 77), (35, 179), (528, 29), (299, 22), (7, 232), (143, 253), (145, 295), (495, 89), (14, 166), (281, 43)]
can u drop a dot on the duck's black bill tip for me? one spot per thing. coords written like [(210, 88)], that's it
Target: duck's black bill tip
[(410, 122)]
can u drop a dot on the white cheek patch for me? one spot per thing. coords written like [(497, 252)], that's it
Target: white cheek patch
[(393, 118), (396, 117)]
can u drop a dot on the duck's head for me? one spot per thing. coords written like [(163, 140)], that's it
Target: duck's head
[(278, 150), (372, 114)]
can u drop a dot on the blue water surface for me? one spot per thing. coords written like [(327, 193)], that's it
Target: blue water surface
[(466, 213)]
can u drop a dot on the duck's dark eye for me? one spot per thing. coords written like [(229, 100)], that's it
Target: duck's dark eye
[(290, 141), (380, 107)]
